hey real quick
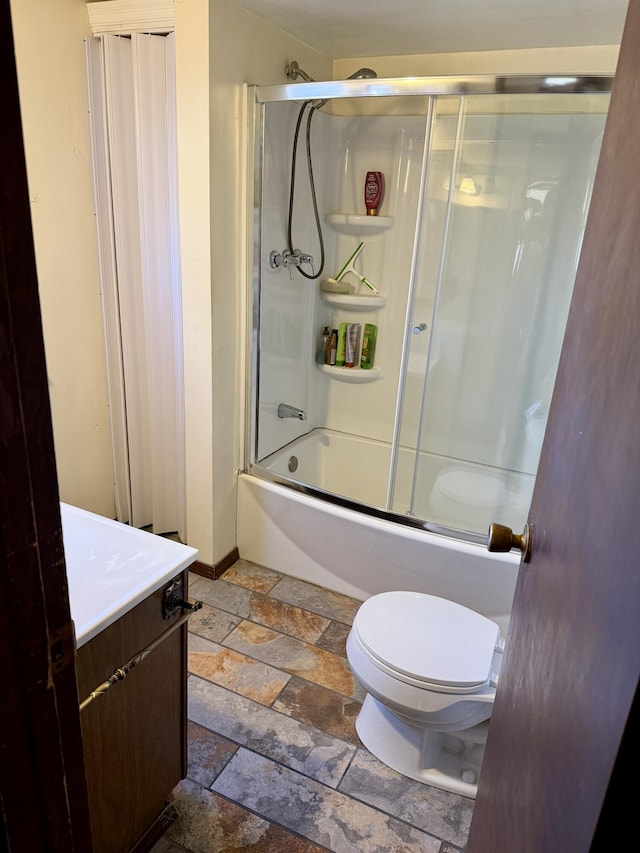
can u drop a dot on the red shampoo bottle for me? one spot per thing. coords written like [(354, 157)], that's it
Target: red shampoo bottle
[(373, 192)]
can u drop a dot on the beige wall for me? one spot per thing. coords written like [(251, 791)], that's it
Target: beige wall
[(212, 174), (194, 199), (50, 60), (600, 59)]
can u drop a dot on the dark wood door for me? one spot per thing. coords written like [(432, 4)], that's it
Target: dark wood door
[(573, 651), (43, 789)]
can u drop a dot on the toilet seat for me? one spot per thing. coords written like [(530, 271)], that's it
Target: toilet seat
[(427, 641)]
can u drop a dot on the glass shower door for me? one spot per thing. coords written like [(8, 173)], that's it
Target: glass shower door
[(513, 204)]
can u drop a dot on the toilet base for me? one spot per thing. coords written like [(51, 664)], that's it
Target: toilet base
[(447, 760)]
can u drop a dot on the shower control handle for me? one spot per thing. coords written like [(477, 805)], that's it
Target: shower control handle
[(502, 538), (421, 328), (289, 259)]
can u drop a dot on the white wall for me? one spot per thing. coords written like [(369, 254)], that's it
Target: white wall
[(50, 61)]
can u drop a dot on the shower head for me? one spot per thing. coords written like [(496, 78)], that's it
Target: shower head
[(362, 74), (293, 71)]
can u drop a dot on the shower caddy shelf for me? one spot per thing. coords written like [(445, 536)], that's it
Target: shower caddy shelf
[(357, 223), (351, 374), (353, 301)]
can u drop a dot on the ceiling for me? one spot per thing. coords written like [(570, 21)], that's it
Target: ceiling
[(353, 28)]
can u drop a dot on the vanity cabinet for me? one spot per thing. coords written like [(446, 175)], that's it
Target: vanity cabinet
[(135, 733)]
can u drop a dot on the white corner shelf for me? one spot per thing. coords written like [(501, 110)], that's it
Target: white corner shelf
[(358, 223), (353, 301), (351, 374)]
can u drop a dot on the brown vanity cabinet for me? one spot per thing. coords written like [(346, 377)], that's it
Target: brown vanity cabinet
[(135, 733)]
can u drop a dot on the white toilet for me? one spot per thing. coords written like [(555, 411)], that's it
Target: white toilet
[(430, 668)]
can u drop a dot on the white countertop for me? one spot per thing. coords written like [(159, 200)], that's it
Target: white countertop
[(112, 567)]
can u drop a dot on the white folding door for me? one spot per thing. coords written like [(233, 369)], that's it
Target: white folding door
[(131, 86)]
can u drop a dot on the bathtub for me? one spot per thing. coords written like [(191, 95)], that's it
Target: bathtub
[(357, 468), (358, 554)]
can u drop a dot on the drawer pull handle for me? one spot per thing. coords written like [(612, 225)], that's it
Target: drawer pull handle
[(123, 671)]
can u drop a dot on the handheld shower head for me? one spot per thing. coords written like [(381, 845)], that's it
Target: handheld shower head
[(293, 71), (362, 74)]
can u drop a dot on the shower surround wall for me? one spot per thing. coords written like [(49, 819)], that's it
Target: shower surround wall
[(393, 145), (287, 330), (294, 310)]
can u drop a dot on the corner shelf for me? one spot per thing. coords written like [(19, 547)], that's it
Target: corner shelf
[(352, 301), (351, 374), (358, 223)]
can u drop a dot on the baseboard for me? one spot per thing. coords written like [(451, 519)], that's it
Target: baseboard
[(216, 571)]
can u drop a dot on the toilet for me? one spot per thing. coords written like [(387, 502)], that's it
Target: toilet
[(430, 668)]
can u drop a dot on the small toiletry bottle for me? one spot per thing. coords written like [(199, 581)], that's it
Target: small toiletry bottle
[(332, 346), (351, 348), (373, 192), (369, 339), (342, 342), (323, 340)]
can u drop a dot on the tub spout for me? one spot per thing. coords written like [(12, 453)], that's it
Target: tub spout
[(287, 411)]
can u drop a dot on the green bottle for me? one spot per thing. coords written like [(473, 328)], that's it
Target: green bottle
[(368, 346), (342, 337)]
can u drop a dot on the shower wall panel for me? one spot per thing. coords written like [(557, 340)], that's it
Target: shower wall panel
[(287, 324), (393, 145)]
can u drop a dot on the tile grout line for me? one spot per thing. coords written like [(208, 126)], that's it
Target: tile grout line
[(284, 601), (274, 666), (340, 741), (271, 820), (304, 610), (292, 704), (344, 794), (379, 808)]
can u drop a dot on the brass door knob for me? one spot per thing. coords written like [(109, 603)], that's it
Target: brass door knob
[(503, 538)]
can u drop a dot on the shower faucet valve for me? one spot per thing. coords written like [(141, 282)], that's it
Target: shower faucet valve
[(289, 259)]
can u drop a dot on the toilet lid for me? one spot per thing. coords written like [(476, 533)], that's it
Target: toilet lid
[(427, 639)]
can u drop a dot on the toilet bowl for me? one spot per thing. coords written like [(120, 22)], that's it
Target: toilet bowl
[(430, 668)]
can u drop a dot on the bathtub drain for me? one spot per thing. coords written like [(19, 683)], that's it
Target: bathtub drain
[(293, 463)]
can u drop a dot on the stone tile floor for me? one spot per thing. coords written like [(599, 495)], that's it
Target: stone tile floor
[(275, 763)]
